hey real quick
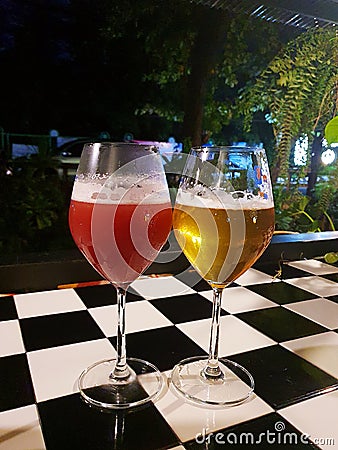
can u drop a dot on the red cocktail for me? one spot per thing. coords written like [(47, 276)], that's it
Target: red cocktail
[(120, 217)]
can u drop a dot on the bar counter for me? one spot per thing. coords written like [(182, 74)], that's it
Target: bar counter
[(283, 330)]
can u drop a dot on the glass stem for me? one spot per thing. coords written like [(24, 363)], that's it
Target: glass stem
[(121, 369), (212, 369)]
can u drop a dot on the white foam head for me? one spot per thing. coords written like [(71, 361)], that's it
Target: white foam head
[(220, 199), (111, 190)]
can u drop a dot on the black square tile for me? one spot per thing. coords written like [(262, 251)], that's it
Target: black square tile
[(281, 292), (331, 277), (192, 279), (283, 378), (268, 431), (202, 285), (68, 423), (59, 329), (15, 381), (163, 347), (284, 271), (103, 295), (7, 308), (185, 308), (333, 298), (281, 324)]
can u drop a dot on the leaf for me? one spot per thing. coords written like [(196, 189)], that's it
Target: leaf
[(314, 226), (331, 131), (304, 201), (331, 257)]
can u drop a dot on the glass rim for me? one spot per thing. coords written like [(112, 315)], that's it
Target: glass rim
[(229, 148), (124, 147), (119, 144)]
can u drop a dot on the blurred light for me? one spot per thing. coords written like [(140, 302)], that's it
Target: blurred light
[(328, 156), (301, 148), (53, 133), (104, 135), (128, 137)]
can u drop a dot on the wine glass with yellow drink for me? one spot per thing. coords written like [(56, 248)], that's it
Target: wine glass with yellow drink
[(223, 220)]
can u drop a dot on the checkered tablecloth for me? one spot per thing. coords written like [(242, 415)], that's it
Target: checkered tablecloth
[(283, 331)]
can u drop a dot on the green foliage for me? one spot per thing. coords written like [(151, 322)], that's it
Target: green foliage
[(326, 192), (299, 213), (297, 91), (166, 32), (34, 210), (244, 55), (162, 35)]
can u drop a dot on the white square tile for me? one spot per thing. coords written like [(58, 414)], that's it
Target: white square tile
[(240, 299), (55, 370), (20, 429), (151, 288), (254, 276), (47, 302), (316, 417), (189, 421), (235, 335), (10, 338), (320, 310), (140, 316), (316, 285), (319, 349), (315, 267)]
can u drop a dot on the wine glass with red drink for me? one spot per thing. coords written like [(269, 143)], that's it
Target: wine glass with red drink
[(120, 217)]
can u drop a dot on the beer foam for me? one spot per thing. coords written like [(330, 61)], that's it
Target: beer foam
[(126, 191), (220, 199)]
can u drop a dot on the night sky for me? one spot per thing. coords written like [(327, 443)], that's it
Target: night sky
[(59, 71)]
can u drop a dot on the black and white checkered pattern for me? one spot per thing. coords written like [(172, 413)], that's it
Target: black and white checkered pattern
[(283, 332)]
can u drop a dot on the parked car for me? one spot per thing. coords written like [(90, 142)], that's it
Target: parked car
[(68, 156), (72, 149)]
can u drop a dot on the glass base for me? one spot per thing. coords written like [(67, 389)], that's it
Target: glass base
[(98, 388), (234, 387)]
